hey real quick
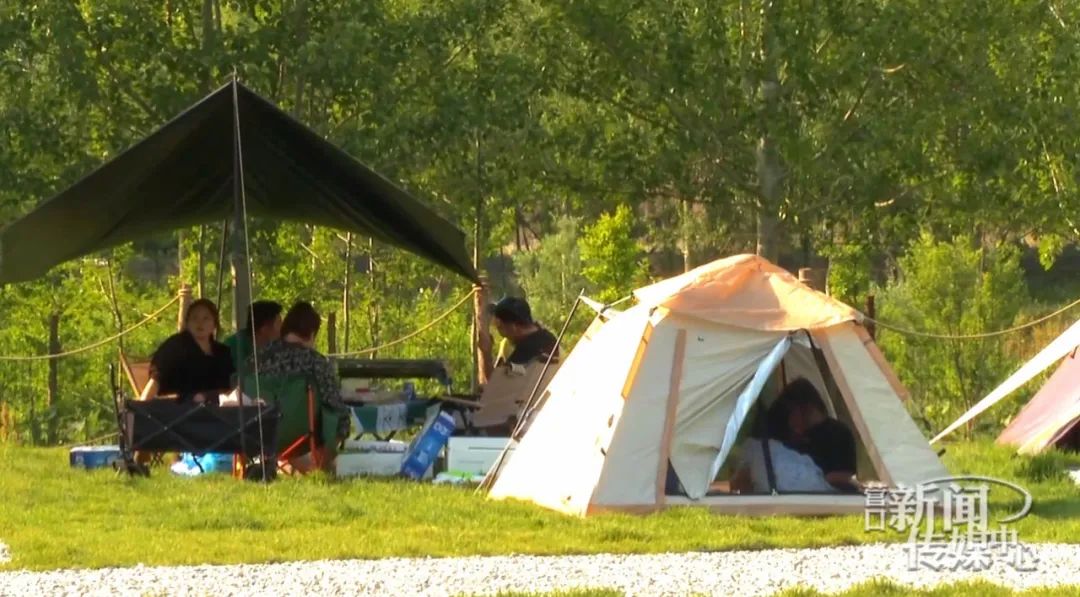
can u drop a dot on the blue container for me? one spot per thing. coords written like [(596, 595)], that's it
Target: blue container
[(90, 457), (425, 448), (190, 465)]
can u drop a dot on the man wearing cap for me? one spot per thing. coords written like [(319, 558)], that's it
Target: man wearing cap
[(513, 319)]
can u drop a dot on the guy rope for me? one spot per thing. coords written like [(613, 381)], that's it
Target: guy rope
[(98, 344), (412, 334), (979, 336)]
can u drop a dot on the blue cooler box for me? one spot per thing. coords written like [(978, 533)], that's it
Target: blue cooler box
[(425, 448), (89, 457)]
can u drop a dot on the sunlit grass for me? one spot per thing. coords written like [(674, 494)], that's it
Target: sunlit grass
[(52, 516)]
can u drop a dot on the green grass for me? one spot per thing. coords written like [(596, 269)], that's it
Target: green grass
[(52, 516)]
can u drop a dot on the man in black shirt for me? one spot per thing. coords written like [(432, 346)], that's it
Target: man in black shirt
[(513, 319), (827, 441)]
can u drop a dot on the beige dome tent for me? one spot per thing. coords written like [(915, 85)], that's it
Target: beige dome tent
[(674, 378)]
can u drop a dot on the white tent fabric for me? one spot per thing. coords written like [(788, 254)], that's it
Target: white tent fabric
[(1054, 352), (746, 401), (719, 362), (563, 441), (877, 412)]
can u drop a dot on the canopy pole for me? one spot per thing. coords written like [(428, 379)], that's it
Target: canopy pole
[(241, 281), (241, 278)]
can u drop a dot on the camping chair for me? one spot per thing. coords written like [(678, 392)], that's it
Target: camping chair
[(306, 425), (504, 397), (137, 372), (138, 375)]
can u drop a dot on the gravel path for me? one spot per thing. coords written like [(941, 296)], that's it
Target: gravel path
[(720, 573)]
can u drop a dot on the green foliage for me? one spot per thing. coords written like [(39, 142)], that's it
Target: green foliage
[(611, 256), (1050, 248), (641, 123), (849, 273), (954, 288), (551, 274)]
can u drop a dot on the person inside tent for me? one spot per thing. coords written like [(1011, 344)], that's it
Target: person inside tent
[(791, 471), (192, 364), (513, 319), (263, 326), (830, 443), (294, 354)]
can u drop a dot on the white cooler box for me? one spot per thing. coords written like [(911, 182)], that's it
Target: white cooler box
[(476, 455), (370, 458)]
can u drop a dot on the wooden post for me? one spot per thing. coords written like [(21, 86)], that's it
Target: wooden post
[(345, 306), (185, 302), (481, 336), (331, 332), (871, 312), (5, 423), (812, 278)]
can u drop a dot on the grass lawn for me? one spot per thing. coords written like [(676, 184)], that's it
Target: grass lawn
[(52, 516)]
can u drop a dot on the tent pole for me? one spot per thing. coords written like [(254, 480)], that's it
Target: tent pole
[(241, 280)]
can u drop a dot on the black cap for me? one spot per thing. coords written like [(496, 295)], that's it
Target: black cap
[(512, 309)]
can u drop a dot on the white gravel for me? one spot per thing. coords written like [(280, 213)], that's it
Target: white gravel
[(719, 573)]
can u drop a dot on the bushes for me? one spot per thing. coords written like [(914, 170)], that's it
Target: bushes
[(953, 288)]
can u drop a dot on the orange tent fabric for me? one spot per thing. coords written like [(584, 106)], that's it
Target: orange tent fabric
[(747, 291)]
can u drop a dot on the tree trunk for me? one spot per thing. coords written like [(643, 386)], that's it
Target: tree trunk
[(770, 170), (7, 428), (53, 395), (684, 229), (375, 292), (180, 255), (35, 426), (185, 302), (331, 333), (202, 262), (210, 24), (299, 17), (517, 227), (345, 303), (481, 319)]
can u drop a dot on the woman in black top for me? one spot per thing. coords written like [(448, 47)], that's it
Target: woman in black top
[(192, 364)]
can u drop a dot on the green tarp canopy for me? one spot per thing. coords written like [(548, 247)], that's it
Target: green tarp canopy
[(182, 175)]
